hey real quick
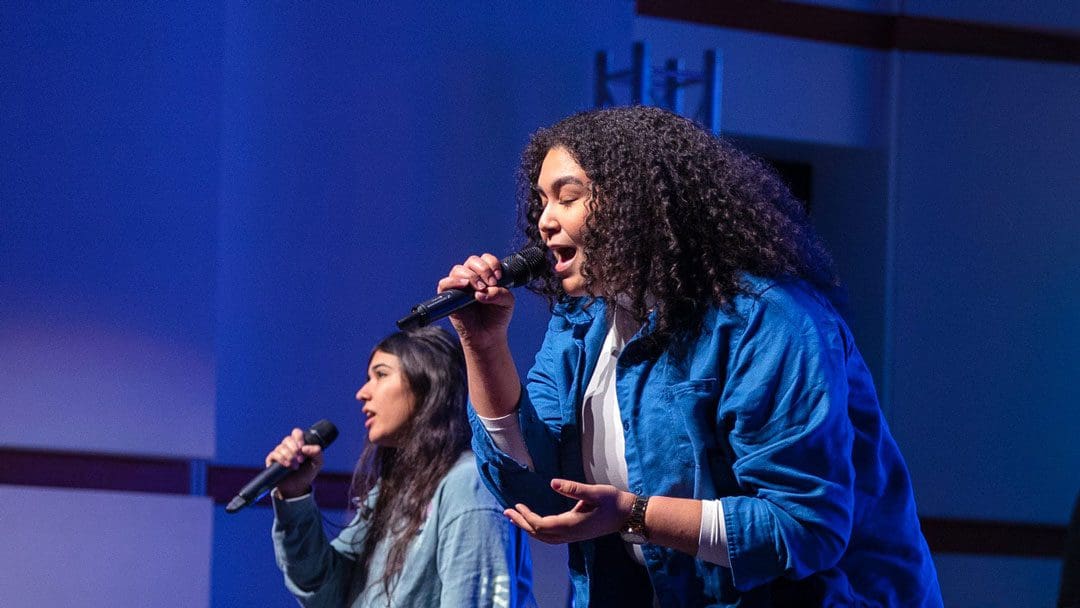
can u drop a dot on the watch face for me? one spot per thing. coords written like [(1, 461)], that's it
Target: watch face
[(633, 537)]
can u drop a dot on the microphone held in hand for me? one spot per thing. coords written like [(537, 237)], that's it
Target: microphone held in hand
[(322, 434), (517, 269)]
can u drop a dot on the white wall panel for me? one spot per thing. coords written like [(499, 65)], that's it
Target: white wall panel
[(987, 286), (104, 549)]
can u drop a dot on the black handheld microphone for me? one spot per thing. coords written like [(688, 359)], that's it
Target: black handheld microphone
[(322, 433), (517, 269)]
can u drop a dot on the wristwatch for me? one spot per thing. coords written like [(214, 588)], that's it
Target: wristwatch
[(633, 529)]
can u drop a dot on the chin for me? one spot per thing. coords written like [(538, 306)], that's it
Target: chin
[(573, 287)]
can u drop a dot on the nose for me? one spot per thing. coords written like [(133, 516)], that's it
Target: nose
[(548, 223), (363, 393)]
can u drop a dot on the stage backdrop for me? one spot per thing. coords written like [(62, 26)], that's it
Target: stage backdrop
[(210, 212)]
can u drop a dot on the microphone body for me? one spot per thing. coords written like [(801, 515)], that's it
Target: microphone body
[(517, 269), (322, 433)]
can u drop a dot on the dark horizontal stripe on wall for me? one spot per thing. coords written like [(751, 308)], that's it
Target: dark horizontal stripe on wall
[(946, 535), (94, 471), (222, 484), (164, 476), (876, 31)]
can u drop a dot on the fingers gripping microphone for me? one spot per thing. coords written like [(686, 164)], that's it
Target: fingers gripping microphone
[(517, 269), (322, 433)]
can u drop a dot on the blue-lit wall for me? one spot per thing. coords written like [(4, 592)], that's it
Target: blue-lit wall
[(109, 202), (210, 212)]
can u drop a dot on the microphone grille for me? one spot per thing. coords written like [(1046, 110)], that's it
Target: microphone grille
[(523, 266), (322, 433)]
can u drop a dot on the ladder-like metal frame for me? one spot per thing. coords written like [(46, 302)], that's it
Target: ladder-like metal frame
[(674, 79)]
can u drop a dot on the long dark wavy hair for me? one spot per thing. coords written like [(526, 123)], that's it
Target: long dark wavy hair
[(433, 367), (677, 216)]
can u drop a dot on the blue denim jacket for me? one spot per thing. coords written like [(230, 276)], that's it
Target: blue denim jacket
[(771, 408)]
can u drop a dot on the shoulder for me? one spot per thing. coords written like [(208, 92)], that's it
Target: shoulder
[(463, 491), (778, 316), (778, 304)]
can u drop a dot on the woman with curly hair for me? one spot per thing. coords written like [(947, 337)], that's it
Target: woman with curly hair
[(699, 424), (426, 532)]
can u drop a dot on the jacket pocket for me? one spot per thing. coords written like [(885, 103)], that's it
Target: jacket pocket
[(694, 407)]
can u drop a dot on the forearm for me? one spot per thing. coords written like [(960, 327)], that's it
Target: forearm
[(524, 475), (494, 384), (674, 523), (314, 572)]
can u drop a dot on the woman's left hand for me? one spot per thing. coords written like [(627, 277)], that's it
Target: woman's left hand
[(600, 510)]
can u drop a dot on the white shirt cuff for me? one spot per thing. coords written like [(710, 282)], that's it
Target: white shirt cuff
[(712, 539), (505, 433)]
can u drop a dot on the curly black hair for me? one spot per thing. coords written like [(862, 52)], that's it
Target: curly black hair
[(677, 216)]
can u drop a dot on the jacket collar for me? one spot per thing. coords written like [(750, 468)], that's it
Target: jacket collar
[(580, 310), (583, 310)]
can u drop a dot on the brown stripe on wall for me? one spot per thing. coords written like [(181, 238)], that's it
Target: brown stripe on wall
[(94, 471), (164, 476), (946, 535), (222, 484), (876, 31)]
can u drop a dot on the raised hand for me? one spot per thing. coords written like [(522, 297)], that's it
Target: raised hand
[(305, 459), (485, 323)]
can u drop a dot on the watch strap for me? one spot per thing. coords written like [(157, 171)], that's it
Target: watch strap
[(633, 529)]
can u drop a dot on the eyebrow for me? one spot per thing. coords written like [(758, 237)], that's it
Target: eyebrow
[(558, 184), (378, 365)]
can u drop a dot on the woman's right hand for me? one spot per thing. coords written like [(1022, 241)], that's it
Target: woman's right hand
[(306, 460), (484, 323)]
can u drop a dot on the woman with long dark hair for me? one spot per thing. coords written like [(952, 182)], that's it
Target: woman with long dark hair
[(699, 424), (426, 531)]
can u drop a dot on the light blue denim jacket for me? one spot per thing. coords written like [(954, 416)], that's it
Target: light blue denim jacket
[(770, 408), (466, 555)]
